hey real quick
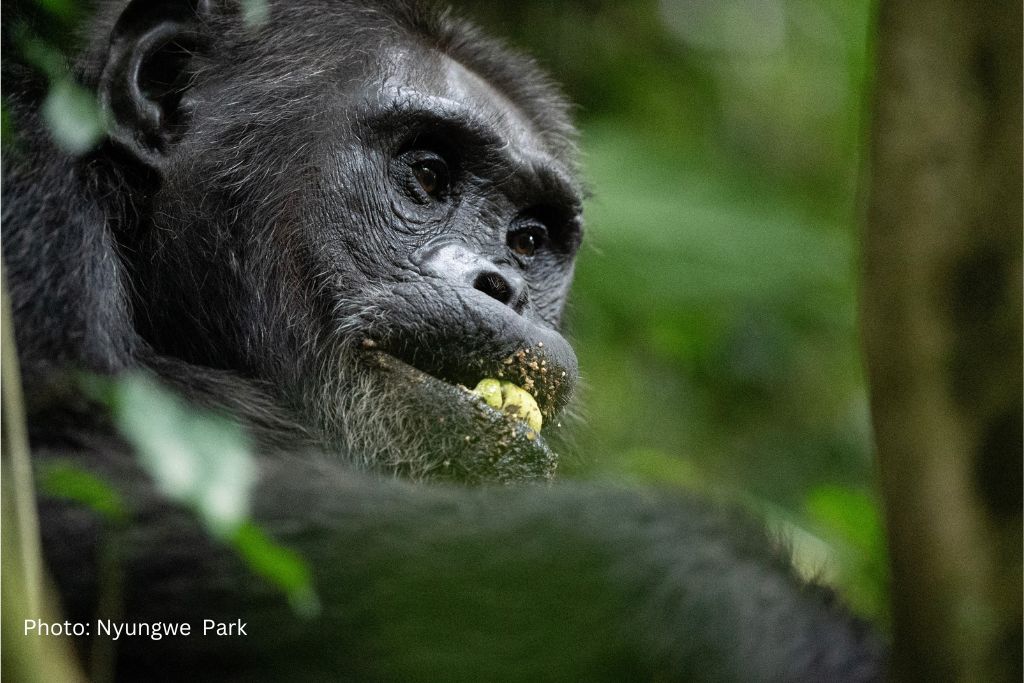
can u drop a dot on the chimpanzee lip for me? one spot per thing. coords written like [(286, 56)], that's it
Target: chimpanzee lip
[(457, 393)]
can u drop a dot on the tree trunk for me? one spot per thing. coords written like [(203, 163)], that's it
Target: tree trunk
[(942, 331)]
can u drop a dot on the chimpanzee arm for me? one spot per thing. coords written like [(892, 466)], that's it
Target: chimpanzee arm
[(433, 583)]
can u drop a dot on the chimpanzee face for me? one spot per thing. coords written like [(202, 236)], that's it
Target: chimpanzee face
[(373, 244)]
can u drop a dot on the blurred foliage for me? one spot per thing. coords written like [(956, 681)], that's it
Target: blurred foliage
[(196, 458), (714, 310), (71, 112), (73, 116), (65, 480), (850, 520), (255, 12), (202, 461)]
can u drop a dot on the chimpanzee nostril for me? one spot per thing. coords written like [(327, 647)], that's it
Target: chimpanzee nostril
[(461, 266), (494, 285)]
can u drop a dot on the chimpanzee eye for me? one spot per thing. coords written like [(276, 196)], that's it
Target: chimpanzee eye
[(527, 241), (431, 172)]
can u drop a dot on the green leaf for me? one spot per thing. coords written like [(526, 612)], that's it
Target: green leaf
[(850, 520), (66, 9), (64, 480), (40, 54), (203, 461), (255, 13), (849, 515), (72, 116), (196, 458), (279, 565)]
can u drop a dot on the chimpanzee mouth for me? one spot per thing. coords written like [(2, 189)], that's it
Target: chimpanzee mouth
[(458, 433), (494, 398)]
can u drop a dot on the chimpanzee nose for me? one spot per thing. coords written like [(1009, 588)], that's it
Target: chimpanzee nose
[(461, 266)]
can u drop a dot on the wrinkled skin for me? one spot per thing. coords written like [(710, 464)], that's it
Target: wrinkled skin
[(381, 297)]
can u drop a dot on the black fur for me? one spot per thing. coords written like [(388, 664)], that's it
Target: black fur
[(254, 233)]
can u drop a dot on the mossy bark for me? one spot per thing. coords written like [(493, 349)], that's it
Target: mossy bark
[(942, 331)]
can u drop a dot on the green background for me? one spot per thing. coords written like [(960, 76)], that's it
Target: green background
[(714, 311)]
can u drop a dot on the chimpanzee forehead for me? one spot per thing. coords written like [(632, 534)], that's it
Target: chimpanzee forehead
[(429, 76)]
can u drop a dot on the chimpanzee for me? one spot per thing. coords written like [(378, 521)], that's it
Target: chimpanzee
[(333, 223)]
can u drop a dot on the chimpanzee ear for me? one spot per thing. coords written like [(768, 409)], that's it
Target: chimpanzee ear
[(146, 73)]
